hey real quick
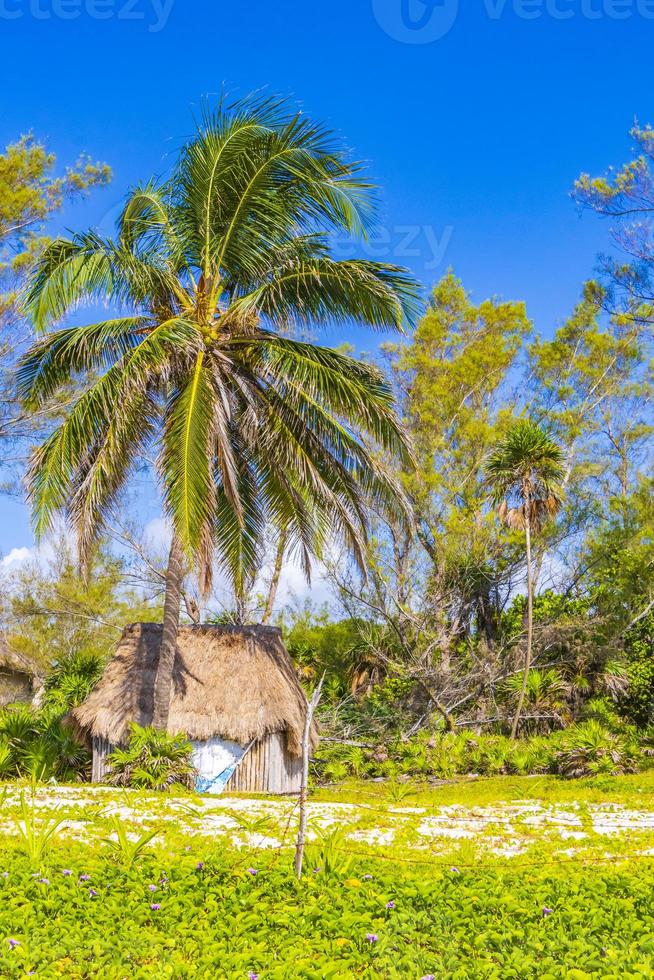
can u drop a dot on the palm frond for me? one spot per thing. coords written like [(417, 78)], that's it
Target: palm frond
[(187, 461), (50, 364), (326, 292)]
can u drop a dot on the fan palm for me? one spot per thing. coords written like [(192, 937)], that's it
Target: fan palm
[(545, 695), (210, 272), (524, 475)]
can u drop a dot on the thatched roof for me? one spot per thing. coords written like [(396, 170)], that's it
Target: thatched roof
[(236, 683), (16, 663)]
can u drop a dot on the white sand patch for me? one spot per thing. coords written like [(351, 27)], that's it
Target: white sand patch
[(505, 829)]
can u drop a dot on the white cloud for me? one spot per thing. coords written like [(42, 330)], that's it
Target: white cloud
[(293, 586), (17, 556)]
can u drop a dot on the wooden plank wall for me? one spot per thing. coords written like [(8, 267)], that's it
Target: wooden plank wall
[(268, 768), (102, 747)]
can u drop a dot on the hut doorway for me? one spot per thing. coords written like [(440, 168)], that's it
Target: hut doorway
[(215, 760)]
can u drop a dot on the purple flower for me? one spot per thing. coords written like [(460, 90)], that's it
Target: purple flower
[(152, 888), (390, 905), (428, 976), (66, 873), (455, 871), (85, 877), (92, 893), (200, 865), (366, 877), (43, 881), (155, 906), (253, 976), (252, 871), (546, 911), (372, 937), (13, 943), (5, 874)]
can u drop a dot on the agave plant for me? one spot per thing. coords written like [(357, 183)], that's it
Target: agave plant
[(126, 850), (212, 273), (35, 835)]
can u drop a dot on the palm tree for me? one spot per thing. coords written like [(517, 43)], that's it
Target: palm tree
[(210, 272), (524, 474), (545, 697)]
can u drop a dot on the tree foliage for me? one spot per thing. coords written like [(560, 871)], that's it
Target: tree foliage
[(251, 425)]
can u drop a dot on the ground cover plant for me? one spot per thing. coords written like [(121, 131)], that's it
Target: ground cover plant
[(131, 883), (208, 913)]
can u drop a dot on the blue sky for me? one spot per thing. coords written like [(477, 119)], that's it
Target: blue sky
[(474, 125)]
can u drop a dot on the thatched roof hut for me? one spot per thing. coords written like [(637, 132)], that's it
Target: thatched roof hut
[(235, 695), (19, 677)]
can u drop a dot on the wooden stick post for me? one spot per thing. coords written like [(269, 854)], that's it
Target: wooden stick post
[(299, 846)]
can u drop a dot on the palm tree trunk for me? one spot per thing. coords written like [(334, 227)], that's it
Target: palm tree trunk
[(172, 602), (530, 622), (276, 575)]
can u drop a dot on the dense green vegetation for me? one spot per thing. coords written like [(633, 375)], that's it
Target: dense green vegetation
[(584, 749), (379, 919), (165, 895), (438, 635)]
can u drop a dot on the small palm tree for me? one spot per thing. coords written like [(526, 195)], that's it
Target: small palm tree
[(211, 271), (524, 475), (545, 695)]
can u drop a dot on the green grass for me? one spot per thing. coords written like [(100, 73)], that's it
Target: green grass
[(637, 790)]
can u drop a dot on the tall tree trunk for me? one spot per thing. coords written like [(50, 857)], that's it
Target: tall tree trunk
[(530, 622), (276, 575), (164, 678)]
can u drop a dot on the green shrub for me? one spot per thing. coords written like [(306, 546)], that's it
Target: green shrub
[(152, 760), (638, 703), (71, 680), (35, 745), (584, 749), (19, 726), (7, 768), (590, 750)]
